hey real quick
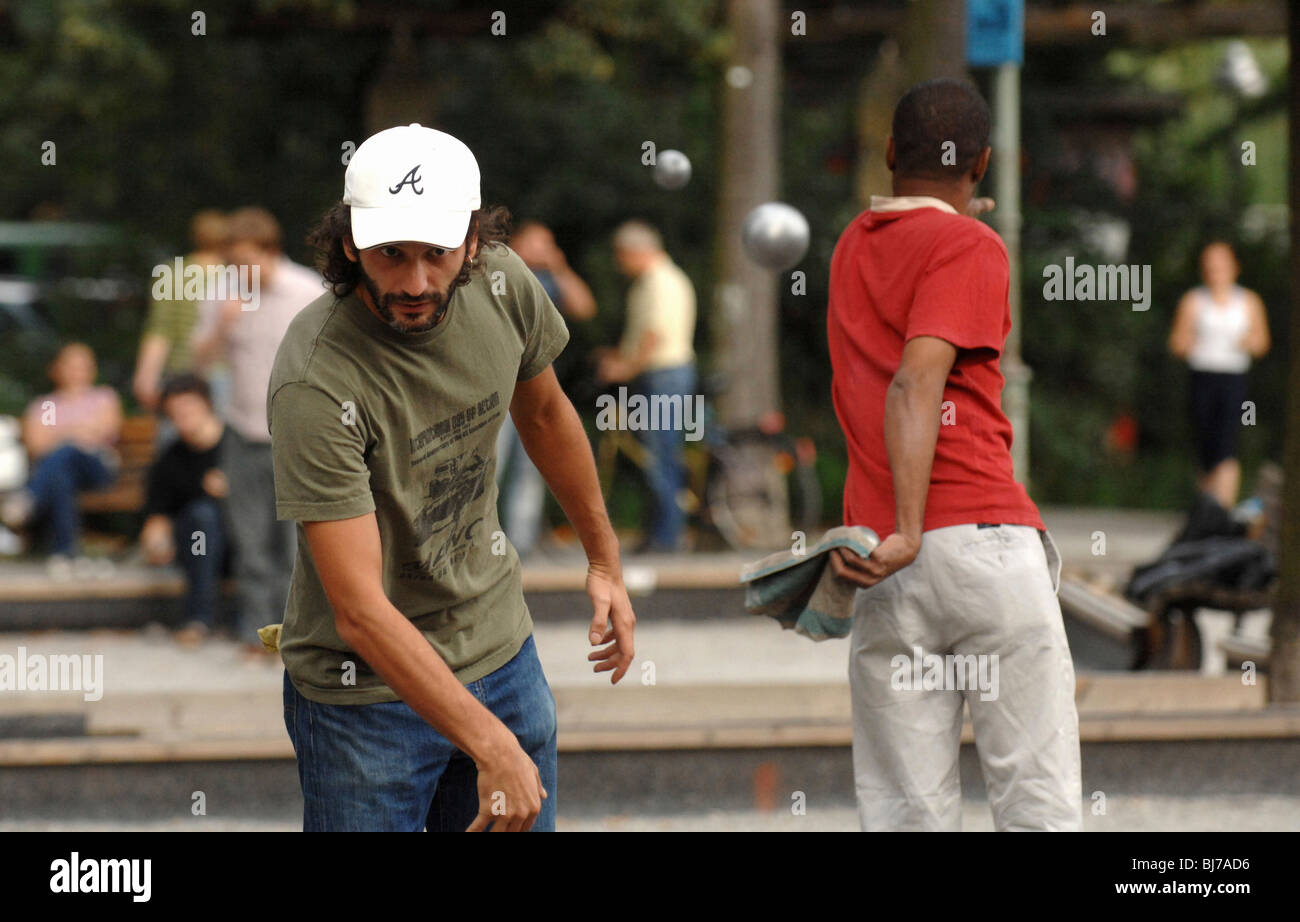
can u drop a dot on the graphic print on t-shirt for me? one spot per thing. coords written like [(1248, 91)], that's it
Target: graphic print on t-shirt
[(456, 482), (454, 428)]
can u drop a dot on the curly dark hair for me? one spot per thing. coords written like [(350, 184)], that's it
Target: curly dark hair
[(491, 225)]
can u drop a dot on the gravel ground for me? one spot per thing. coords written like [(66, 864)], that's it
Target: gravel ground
[(1123, 814)]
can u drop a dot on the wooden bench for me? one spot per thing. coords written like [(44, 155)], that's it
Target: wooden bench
[(135, 444), (1110, 614), (1165, 631), (1173, 637)]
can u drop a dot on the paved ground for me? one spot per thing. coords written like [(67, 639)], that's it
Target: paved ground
[(732, 650), (737, 649), (1101, 540)]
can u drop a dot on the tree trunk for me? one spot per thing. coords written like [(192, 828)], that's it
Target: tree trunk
[(402, 92), (746, 297), (934, 39), (932, 44), (745, 321), (1284, 661)]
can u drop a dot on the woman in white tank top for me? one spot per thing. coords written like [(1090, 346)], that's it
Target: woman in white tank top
[(1218, 329)]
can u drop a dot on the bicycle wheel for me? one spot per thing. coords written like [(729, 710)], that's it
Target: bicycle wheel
[(805, 487), (761, 490)]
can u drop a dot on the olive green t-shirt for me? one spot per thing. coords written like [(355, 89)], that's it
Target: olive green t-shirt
[(174, 319), (365, 418)]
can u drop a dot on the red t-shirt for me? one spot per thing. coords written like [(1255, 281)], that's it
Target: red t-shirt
[(924, 272)]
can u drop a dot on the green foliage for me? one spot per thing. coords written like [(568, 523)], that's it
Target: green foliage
[(153, 123), (1094, 360)]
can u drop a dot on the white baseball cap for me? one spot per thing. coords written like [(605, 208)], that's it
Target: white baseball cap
[(411, 183)]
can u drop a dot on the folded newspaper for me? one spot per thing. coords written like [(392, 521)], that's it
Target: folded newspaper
[(800, 589)]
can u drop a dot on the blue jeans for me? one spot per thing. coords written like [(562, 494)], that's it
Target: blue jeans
[(666, 475), (381, 767), (55, 482), (523, 491), (202, 571)]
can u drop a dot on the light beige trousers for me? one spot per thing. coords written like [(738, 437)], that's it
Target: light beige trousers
[(973, 619)]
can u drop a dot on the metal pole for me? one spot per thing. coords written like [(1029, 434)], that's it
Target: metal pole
[(1006, 217)]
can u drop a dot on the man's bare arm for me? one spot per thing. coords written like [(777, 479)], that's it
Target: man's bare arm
[(613, 366), (913, 404), (575, 294), (553, 436), (212, 339), (912, 411), (149, 368), (349, 559)]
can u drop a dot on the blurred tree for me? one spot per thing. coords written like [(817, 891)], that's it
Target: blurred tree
[(153, 122), (1284, 662), (745, 323), (1095, 357)]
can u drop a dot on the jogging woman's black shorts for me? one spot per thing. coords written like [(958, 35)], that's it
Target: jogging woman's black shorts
[(1216, 415)]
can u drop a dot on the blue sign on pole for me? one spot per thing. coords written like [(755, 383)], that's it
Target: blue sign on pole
[(995, 32)]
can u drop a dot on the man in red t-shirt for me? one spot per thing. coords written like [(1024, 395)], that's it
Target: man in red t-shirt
[(958, 602)]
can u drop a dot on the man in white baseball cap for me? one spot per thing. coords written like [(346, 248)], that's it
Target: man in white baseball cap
[(413, 693)]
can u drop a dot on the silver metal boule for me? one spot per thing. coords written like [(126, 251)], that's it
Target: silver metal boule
[(775, 235), (672, 169)]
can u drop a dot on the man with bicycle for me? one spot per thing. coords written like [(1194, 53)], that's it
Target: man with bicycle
[(967, 573), (656, 355)]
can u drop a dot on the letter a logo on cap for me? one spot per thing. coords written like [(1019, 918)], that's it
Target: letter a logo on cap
[(411, 177)]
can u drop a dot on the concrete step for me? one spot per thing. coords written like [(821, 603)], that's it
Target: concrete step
[(1232, 784), (131, 594), (248, 724)]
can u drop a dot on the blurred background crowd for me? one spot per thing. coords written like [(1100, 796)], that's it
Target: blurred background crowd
[(134, 132)]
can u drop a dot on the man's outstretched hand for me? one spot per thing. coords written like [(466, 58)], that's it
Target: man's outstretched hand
[(890, 556), (613, 622)]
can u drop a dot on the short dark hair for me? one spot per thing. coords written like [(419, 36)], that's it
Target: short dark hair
[(490, 224), (185, 383), (935, 113)]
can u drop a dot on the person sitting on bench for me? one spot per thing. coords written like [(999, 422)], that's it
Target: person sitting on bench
[(70, 436), (185, 517)]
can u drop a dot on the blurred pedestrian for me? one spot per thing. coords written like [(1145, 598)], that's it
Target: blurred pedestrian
[(523, 492), (165, 346), (248, 339), (185, 503), (656, 356), (70, 434), (1218, 328), (966, 576)]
